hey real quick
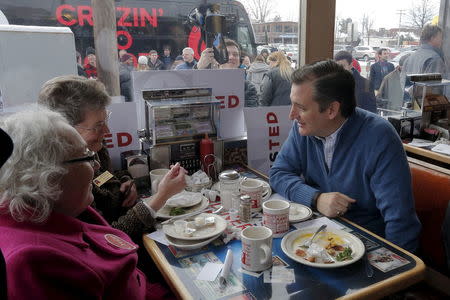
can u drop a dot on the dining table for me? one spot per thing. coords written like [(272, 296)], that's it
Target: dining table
[(384, 269)]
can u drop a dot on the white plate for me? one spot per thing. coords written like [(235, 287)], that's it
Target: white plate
[(164, 212), (290, 243), (302, 212), (184, 199), (190, 245), (201, 233), (216, 187)]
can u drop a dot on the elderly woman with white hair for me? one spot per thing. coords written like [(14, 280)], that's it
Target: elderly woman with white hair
[(84, 103), (55, 244)]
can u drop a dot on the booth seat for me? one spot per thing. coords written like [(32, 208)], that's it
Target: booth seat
[(431, 189)]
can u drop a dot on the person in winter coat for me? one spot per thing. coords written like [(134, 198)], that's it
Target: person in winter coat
[(257, 71), (125, 68), (153, 62), (276, 85), (55, 244)]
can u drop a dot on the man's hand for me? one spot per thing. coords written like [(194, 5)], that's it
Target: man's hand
[(172, 183), (333, 204), (129, 193), (206, 58)]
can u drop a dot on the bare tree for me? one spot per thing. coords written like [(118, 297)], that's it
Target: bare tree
[(421, 13), (259, 10), (367, 24)]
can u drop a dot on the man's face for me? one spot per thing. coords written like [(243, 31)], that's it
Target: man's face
[(305, 110), (384, 55), (188, 56), (233, 58), (92, 59), (153, 57), (345, 64), (166, 52)]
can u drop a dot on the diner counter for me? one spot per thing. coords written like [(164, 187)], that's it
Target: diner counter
[(428, 155)]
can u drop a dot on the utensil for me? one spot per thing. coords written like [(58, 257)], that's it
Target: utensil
[(308, 243), (226, 269), (185, 216), (369, 269)]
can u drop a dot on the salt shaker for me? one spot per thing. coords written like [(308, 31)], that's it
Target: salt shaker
[(245, 208), (229, 184)]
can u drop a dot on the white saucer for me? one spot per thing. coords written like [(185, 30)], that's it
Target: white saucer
[(201, 233), (189, 245), (302, 212), (216, 187)]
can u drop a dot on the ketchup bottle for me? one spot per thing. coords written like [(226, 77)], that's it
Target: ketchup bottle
[(206, 148)]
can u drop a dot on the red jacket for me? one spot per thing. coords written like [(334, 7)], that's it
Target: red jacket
[(90, 70), (66, 258)]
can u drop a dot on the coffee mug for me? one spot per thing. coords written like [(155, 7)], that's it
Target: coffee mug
[(155, 176), (276, 216), (256, 248), (255, 189)]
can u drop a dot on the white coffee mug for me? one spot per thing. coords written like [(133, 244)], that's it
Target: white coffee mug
[(255, 189), (155, 176), (256, 248), (276, 216)]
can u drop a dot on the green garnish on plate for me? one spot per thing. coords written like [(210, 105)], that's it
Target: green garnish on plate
[(176, 211), (345, 255)]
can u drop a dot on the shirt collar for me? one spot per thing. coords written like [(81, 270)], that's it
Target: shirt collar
[(333, 135)]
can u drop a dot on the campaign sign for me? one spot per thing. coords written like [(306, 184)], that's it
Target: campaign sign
[(267, 129)]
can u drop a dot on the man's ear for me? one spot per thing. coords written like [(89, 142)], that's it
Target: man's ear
[(334, 110)]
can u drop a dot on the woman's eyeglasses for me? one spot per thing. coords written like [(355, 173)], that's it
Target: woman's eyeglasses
[(91, 157), (99, 126)]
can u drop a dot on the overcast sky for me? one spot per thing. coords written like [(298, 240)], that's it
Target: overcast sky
[(383, 11)]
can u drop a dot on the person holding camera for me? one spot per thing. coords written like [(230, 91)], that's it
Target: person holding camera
[(207, 61)]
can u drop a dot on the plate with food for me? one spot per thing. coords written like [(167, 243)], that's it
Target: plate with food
[(167, 212), (299, 212), (199, 227), (184, 199), (330, 249), (190, 245), (267, 192)]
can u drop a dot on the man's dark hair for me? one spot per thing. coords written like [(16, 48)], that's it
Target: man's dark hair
[(231, 43), (341, 55), (380, 51), (331, 82), (428, 32)]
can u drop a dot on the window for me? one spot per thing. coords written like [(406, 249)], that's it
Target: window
[(287, 28), (279, 28)]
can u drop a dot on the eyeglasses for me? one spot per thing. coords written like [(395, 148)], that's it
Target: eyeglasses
[(99, 126), (90, 156)]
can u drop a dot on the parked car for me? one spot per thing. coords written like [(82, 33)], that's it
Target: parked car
[(364, 52), (338, 48), (396, 59), (392, 52)]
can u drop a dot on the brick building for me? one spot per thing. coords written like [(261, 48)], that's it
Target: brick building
[(284, 32)]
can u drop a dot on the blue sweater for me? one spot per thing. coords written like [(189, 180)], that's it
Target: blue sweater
[(369, 165)]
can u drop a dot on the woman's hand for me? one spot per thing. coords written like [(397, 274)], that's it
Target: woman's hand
[(128, 189), (172, 183)]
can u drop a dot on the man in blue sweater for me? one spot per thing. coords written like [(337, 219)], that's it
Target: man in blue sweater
[(342, 160)]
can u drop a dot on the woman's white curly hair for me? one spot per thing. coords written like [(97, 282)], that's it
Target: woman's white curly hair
[(30, 179)]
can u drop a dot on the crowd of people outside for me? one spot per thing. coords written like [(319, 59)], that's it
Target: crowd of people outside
[(267, 76)]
